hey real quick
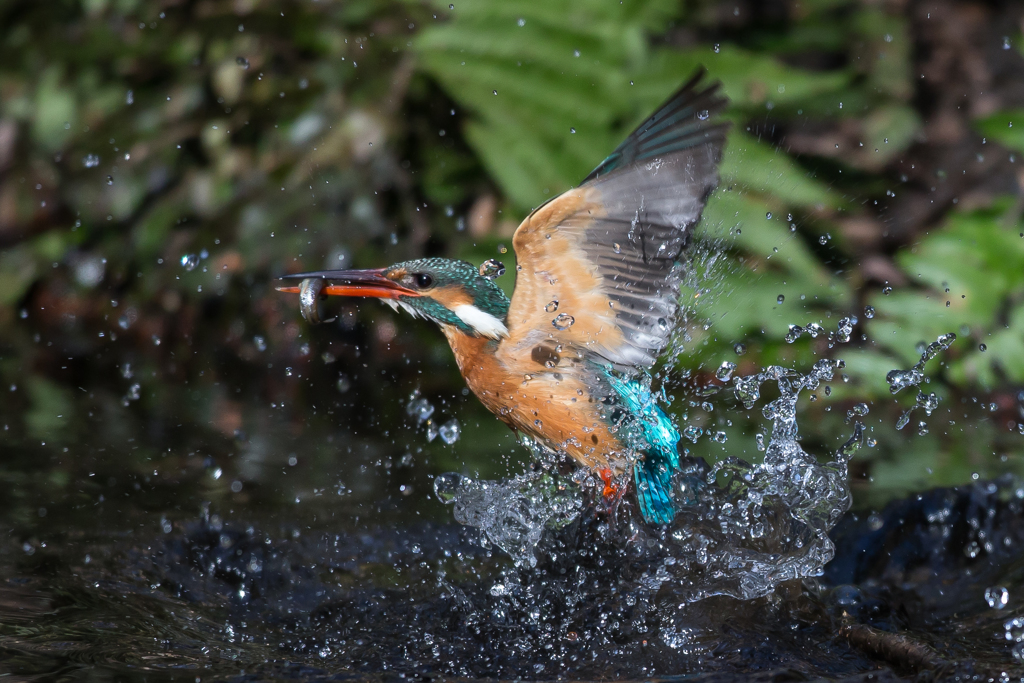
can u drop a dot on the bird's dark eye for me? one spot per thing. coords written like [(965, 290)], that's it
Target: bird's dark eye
[(423, 280)]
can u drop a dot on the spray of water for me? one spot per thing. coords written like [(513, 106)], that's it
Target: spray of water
[(902, 379)]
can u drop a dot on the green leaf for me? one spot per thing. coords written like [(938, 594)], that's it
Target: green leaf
[(17, 272), (1005, 127)]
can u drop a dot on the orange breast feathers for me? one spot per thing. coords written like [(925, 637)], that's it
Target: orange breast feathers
[(548, 404)]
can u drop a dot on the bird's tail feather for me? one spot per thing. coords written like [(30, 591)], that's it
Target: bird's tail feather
[(653, 490)]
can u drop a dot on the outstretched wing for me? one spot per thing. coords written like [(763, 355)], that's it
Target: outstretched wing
[(598, 266)]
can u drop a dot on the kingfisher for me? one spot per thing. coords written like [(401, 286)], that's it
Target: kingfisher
[(566, 361)]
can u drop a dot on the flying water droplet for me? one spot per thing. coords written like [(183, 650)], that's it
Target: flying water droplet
[(768, 215), (858, 410), (843, 333), (725, 370), (260, 342), (90, 161), (739, 349), (982, 348), (551, 306), (189, 261), (780, 298), (492, 269), (703, 115), (449, 431), (869, 312), (419, 408), (901, 379), (563, 321)]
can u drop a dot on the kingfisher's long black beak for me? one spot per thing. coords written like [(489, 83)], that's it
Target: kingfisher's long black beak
[(370, 283), (312, 286)]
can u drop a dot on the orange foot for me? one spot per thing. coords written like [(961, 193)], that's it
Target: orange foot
[(611, 491)]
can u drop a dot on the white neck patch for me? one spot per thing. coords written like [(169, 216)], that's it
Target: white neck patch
[(482, 323)]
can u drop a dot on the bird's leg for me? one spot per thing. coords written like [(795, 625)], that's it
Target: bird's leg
[(614, 489), (611, 489)]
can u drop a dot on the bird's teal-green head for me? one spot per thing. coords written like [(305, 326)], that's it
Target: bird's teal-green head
[(449, 292)]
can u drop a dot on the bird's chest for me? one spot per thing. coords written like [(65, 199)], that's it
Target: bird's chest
[(553, 406)]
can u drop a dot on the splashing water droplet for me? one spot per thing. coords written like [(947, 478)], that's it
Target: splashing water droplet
[(982, 348), (703, 114), (901, 379), (869, 312), (419, 408), (858, 410), (563, 321), (242, 62), (492, 269), (551, 306), (90, 161), (449, 431), (768, 215), (780, 298), (843, 331), (887, 290), (739, 349), (512, 514), (725, 370), (189, 261)]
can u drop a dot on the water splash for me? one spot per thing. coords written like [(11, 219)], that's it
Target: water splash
[(902, 379), (746, 528), (419, 408), (512, 514), (768, 523), (842, 335)]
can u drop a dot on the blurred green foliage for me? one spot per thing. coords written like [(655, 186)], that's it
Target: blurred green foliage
[(161, 162)]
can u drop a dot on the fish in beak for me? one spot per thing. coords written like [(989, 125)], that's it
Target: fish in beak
[(321, 284)]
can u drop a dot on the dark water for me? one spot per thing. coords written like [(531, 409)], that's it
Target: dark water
[(255, 558)]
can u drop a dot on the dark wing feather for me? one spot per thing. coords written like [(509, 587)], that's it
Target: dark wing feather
[(677, 124), (610, 249)]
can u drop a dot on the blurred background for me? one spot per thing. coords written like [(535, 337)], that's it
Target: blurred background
[(161, 162)]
